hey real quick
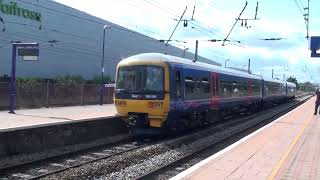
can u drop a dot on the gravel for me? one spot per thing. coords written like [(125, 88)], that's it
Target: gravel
[(16, 160)]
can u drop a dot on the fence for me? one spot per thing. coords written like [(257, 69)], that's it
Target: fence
[(49, 94)]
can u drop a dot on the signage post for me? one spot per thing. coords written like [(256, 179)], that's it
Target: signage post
[(102, 63), (24, 49), (315, 46)]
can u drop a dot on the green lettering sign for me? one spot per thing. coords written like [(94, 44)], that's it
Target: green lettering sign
[(12, 8)]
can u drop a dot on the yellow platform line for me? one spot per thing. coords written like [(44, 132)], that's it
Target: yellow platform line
[(276, 169)]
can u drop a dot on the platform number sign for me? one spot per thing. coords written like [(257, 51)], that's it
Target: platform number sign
[(29, 54)]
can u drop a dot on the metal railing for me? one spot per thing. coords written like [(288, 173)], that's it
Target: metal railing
[(51, 94)]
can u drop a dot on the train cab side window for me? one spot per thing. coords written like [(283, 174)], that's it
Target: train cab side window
[(178, 84), (226, 89)]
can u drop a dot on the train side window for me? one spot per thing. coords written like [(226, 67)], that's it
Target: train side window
[(235, 89), (253, 88), (223, 89), (198, 84), (178, 84), (245, 90), (205, 85), (229, 87), (190, 86)]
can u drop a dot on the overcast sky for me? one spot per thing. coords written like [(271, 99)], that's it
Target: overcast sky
[(213, 19)]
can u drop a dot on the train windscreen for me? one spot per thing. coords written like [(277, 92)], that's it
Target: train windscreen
[(147, 79)]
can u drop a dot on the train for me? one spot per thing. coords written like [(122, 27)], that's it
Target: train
[(156, 91)]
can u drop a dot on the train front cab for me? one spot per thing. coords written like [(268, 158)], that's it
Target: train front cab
[(142, 93), (290, 91), (274, 92)]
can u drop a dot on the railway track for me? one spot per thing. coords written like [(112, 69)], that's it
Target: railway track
[(178, 164), (37, 170)]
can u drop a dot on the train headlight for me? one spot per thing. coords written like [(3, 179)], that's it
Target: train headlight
[(155, 105), (121, 103)]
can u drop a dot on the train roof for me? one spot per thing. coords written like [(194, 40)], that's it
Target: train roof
[(273, 80), (279, 81), (146, 57), (291, 84)]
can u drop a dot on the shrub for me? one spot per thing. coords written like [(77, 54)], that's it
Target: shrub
[(28, 82), (69, 80), (98, 80)]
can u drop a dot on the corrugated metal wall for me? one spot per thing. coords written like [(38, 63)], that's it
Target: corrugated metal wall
[(71, 45)]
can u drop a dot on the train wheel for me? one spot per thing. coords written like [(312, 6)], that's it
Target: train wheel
[(217, 116), (252, 109), (181, 125)]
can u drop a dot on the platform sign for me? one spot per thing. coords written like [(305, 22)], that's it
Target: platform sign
[(109, 85), (29, 54), (30, 58), (315, 46)]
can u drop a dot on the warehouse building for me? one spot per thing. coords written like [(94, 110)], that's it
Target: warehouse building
[(70, 41)]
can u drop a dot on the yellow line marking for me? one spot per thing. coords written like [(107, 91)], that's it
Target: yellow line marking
[(285, 156)]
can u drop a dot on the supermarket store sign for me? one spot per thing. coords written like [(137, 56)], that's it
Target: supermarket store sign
[(12, 8)]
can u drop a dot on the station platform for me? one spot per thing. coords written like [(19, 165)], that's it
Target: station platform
[(35, 134), (31, 118), (287, 148)]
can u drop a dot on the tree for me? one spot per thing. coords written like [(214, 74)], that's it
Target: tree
[(293, 80), (98, 80)]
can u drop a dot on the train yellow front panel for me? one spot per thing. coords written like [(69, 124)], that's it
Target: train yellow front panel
[(157, 110)]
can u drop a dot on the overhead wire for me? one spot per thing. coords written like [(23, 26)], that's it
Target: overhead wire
[(99, 22), (173, 13), (299, 7), (305, 15)]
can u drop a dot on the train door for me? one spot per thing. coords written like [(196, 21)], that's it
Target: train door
[(263, 90), (215, 90), (250, 90)]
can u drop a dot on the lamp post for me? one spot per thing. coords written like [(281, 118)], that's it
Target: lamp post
[(102, 63), (225, 62)]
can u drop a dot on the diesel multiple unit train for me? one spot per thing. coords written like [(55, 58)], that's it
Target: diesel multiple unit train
[(158, 91)]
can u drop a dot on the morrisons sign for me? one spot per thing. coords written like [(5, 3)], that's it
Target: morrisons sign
[(13, 9)]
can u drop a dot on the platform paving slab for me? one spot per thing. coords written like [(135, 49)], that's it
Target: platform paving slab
[(30, 118), (288, 148)]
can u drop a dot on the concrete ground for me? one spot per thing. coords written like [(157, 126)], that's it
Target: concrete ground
[(288, 148)]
